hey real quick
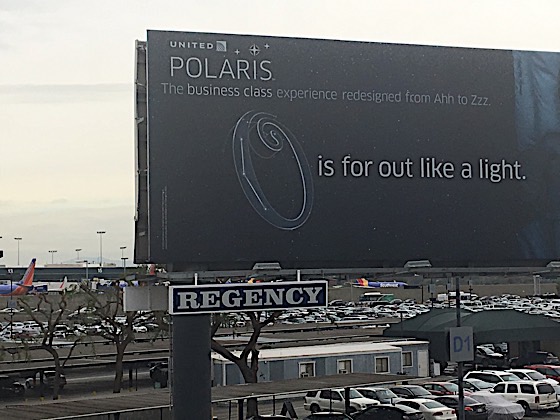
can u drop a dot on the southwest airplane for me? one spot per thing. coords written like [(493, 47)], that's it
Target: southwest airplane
[(23, 286), (361, 282)]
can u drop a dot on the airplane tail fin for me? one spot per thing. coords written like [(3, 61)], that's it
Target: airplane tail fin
[(27, 279), (63, 284), (362, 282)]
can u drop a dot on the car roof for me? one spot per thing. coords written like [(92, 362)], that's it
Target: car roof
[(421, 400), (546, 366), (467, 398), (521, 381), (495, 372), (400, 406)]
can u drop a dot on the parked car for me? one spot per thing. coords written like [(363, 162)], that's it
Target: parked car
[(327, 415), (535, 357), (531, 395), (388, 412), (381, 394), (487, 357), (333, 400), (550, 371), (432, 409), (474, 410), (11, 310), (492, 376), (10, 387), (441, 388), (473, 384), (410, 391), (532, 375), (269, 417), (159, 373), (48, 379), (498, 407)]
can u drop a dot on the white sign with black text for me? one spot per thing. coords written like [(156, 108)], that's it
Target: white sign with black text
[(241, 297)]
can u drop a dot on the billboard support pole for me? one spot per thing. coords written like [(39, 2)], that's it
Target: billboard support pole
[(190, 361), (191, 367), (461, 405)]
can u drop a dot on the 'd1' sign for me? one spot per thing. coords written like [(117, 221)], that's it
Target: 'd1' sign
[(461, 344)]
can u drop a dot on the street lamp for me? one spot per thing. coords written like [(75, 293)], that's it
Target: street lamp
[(78, 254), (52, 252), (18, 239), (101, 233)]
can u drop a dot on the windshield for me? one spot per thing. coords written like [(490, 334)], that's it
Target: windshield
[(481, 384), (432, 404), (354, 394), (506, 377), (536, 376), (470, 401), (419, 391), (452, 387), (385, 393)]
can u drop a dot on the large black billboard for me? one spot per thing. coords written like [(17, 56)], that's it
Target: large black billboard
[(322, 153)]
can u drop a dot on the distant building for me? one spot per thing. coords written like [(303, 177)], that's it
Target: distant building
[(391, 357)]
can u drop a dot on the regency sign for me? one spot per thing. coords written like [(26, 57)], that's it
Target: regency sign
[(242, 297)]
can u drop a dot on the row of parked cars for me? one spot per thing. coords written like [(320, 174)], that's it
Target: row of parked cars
[(489, 395)]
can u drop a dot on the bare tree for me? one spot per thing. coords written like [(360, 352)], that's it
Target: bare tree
[(48, 312), (248, 360), (115, 324)]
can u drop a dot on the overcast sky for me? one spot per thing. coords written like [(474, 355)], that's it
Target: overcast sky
[(66, 93)]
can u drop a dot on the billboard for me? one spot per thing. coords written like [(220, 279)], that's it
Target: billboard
[(323, 153), (242, 297)]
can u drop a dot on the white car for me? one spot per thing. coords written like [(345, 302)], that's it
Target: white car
[(333, 400), (139, 329), (11, 310), (531, 395), (532, 375), (492, 376), (432, 410)]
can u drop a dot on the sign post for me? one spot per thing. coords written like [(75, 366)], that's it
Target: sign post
[(191, 306)]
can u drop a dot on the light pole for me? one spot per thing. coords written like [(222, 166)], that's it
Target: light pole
[(87, 274), (18, 239), (52, 252), (124, 265), (78, 254), (122, 248), (101, 233)]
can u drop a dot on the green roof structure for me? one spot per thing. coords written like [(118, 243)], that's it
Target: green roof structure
[(493, 326)]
